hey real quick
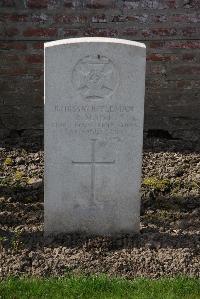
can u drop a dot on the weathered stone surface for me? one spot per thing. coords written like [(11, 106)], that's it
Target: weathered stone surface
[(94, 102)]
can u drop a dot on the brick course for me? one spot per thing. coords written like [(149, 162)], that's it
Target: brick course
[(170, 29)]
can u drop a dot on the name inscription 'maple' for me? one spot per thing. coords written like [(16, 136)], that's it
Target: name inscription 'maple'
[(95, 77)]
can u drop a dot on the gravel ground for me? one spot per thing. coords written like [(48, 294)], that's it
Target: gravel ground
[(169, 239)]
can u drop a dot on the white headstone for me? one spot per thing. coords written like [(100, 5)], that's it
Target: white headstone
[(94, 105)]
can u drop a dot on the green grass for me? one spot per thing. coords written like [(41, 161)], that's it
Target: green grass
[(99, 287)]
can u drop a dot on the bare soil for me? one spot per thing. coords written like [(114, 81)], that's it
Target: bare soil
[(169, 239)]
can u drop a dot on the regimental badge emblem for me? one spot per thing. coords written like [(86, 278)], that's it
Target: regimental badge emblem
[(95, 77)]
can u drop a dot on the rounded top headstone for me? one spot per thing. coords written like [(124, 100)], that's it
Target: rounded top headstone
[(93, 40)]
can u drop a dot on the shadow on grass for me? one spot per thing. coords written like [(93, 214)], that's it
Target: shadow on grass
[(17, 141), (157, 141), (158, 228), (22, 210), (150, 239), (154, 141)]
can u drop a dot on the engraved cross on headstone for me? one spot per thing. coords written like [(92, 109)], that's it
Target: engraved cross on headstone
[(93, 163)]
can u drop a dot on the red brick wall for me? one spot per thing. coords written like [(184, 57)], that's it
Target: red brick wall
[(170, 29)]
